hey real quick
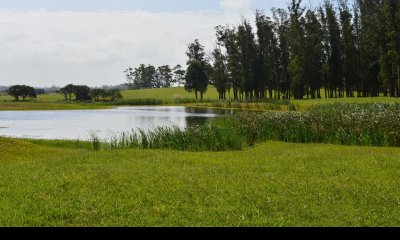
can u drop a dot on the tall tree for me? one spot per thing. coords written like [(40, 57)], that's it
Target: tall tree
[(247, 51), (227, 37), (296, 42), (335, 55), (165, 76), (220, 76), (349, 49), (369, 47), (313, 55), (178, 75), (391, 10), (198, 70), (281, 20), (196, 78), (267, 73)]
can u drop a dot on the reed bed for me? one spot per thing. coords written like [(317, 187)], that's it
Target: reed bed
[(206, 137), (345, 124)]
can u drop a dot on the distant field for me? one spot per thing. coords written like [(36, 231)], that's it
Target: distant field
[(272, 184), (163, 94), (167, 94), (51, 101)]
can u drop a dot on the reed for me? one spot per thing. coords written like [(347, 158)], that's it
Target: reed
[(345, 124)]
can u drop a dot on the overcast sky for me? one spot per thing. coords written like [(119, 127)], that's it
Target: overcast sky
[(57, 42)]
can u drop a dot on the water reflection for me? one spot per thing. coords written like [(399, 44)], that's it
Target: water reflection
[(79, 124)]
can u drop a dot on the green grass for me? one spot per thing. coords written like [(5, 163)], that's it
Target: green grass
[(312, 102), (272, 184), (171, 96), (167, 94)]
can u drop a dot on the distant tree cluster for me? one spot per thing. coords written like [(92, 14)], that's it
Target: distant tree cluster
[(149, 76), (21, 91), (347, 49), (98, 94), (84, 93)]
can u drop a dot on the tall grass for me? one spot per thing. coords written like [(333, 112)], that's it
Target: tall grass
[(201, 137), (265, 105), (346, 124)]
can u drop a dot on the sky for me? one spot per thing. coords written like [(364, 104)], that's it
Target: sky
[(57, 42)]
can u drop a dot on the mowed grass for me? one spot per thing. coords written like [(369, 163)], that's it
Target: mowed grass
[(272, 184)]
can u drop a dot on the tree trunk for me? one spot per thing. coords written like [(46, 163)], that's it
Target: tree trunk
[(235, 93), (195, 93), (398, 80), (201, 95)]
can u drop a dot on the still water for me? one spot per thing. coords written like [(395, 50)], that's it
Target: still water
[(80, 124)]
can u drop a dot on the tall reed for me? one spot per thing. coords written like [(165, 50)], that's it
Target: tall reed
[(347, 124)]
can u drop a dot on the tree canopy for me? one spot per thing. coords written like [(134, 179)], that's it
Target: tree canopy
[(21, 91)]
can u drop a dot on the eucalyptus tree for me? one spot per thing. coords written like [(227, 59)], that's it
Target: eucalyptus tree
[(247, 50), (369, 47), (178, 75), (335, 54), (296, 43), (165, 76), (268, 57), (313, 55), (349, 48), (281, 21), (391, 12), (227, 37), (220, 76)]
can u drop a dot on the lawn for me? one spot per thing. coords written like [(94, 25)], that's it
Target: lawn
[(45, 183)]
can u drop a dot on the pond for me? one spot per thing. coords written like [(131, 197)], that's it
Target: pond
[(79, 124)]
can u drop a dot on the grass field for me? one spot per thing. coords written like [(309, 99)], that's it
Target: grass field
[(53, 101), (272, 184), (163, 94), (66, 183)]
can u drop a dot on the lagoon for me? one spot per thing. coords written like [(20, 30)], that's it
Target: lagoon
[(80, 124)]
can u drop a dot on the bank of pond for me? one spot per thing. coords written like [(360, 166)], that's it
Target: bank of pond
[(198, 129)]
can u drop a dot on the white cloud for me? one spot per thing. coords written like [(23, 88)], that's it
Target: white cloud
[(43, 48), (236, 5)]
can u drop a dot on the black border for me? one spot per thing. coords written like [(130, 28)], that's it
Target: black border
[(198, 233)]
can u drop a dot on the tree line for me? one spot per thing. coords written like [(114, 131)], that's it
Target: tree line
[(338, 49), (85, 93), (149, 76), (348, 49)]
